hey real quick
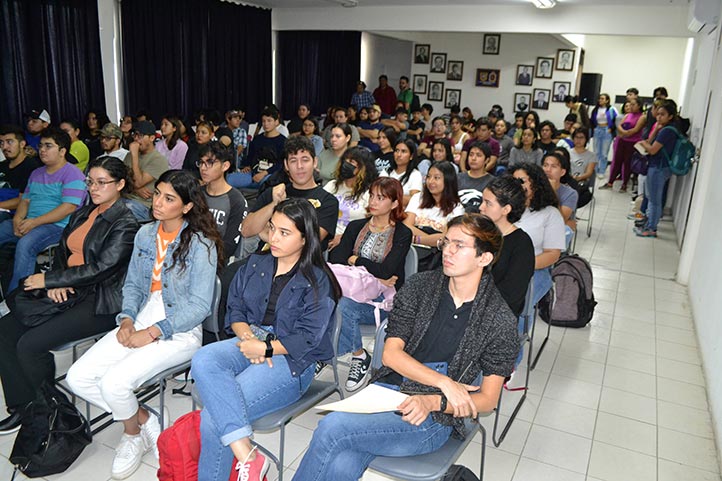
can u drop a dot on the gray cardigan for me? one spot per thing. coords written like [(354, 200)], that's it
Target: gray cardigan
[(490, 344)]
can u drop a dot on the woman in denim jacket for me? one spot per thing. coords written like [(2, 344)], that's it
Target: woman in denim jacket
[(288, 299), (167, 293)]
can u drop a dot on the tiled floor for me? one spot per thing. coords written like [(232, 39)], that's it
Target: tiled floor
[(621, 400)]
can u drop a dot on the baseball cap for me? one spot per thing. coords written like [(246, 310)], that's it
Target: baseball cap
[(233, 113), (376, 107), (111, 130), (144, 127), (39, 114)]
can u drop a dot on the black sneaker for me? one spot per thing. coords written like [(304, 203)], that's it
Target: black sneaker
[(640, 222), (319, 367), (358, 371), (11, 423)]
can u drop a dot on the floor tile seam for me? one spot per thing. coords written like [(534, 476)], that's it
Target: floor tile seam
[(569, 434)]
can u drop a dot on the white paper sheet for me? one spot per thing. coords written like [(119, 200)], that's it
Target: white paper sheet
[(371, 399)]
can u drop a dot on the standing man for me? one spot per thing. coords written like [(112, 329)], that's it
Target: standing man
[(405, 94), (16, 169), (385, 96), (111, 137), (362, 97), (53, 192), (147, 165)]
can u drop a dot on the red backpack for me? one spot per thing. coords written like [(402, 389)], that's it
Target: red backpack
[(179, 448)]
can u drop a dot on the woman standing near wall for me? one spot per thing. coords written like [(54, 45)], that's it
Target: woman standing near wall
[(603, 122), (629, 133)]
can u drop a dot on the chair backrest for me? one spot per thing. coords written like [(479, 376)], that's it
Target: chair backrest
[(379, 341), (411, 266), (210, 323)]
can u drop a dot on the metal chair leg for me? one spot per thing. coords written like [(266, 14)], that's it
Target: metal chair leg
[(544, 342)]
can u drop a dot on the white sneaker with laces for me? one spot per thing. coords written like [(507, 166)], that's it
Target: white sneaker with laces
[(150, 432), (127, 456)]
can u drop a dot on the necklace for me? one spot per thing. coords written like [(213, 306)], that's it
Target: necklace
[(377, 228), (508, 231)]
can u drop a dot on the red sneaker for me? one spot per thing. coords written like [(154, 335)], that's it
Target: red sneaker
[(254, 470)]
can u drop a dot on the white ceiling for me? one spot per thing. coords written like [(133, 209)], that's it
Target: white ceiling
[(412, 3)]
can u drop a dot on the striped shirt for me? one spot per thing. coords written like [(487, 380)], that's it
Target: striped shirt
[(46, 192)]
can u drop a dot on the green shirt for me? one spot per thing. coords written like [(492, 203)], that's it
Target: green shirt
[(406, 96), (81, 153)]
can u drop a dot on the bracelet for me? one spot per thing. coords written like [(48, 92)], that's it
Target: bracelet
[(151, 335)]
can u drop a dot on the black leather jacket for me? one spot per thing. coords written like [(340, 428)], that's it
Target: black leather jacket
[(106, 250)]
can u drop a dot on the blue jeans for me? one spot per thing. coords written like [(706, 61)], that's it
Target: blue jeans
[(354, 314), (139, 210), (244, 180), (28, 247), (344, 444), (602, 141), (654, 191), (235, 393)]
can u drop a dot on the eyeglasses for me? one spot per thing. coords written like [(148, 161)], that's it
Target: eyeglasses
[(451, 245), (46, 146), (100, 183), (206, 165)]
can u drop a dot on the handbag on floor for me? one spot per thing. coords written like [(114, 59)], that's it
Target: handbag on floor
[(52, 435)]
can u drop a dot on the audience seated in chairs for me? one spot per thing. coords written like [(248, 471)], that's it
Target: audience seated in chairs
[(543, 222), (78, 298), (446, 327), (556, 167), (380, 244), (280, 309), (431, 209), (53, 192), (354, 174), (167, 293)]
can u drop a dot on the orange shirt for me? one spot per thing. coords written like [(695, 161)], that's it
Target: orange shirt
[(162, 239), (76, 239)]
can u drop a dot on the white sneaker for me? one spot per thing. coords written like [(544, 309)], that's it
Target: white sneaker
[(150, 431), (127, 456)]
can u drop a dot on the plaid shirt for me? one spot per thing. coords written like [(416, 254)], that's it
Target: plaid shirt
[(240, 137), (363, 99)]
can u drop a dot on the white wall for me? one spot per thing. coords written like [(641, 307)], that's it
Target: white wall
[(641, 62), (381, 54), (108, 18), (515, 49)]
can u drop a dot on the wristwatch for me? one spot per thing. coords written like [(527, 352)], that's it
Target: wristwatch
[(442, 404), (269, 347)]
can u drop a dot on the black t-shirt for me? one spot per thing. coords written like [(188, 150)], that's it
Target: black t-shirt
[(225, 132), (443, 336), (325, 203), (547, 148), (18, 176), (514, 268), (414, 126), (228, 210), (277, 286)]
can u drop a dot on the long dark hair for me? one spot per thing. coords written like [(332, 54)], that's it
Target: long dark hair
[(175, 121), (117, 170), (303, 215), (446, 144), (543, 193), (367, 172), (413, 162), (449, 196), (564, 163), (199, 218)]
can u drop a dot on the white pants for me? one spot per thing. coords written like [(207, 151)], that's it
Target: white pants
[(108, 373)]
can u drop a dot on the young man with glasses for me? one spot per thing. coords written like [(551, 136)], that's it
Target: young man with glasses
[(227, 205), (147, 165), (53, 192), (446, 328)]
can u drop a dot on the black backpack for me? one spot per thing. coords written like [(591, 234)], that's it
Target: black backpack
[(459, 473), (571, 302), (52, 435)]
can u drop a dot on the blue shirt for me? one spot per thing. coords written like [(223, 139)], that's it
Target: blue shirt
[(363, 99), (667, 136), (46, 192)]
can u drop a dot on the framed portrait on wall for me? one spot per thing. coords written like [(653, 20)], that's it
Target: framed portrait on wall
[(524, 74), (541, 99), (544, 67), (492, 42), (421, 53), (453, 97), (455, 70), (561, 90), (565, 60), (436, 91), (420, 84), (522, 102), (486, 77), (438, 63)]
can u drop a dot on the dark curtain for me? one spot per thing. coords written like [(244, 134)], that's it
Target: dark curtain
[(320, 68), (49, 58), (180, 56)]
